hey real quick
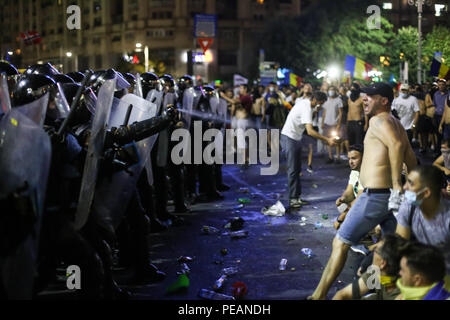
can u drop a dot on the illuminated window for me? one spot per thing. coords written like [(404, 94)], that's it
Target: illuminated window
[(387, 6)]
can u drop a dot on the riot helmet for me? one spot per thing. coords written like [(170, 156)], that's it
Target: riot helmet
[(31, 87), (100, 77), (167, 81), (86, 104), (11, 73), (149, 82), (62, 78), (9, 69), (45, 69), (185, 81), (76, 76), (208, 91)]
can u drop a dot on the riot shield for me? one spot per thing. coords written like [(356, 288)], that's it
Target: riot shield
[(36, 110), (138, 87), (95, 152), (61, 102), (115, 190), (197, 97), (222, 112), (25, 155), (187, 107), (156, 97), (163, 142), (5, 102)]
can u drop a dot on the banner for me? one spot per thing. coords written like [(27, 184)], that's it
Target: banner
[(292, 79), (238, 80)]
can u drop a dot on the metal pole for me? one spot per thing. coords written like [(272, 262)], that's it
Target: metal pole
[(419, 53), (146, 58)]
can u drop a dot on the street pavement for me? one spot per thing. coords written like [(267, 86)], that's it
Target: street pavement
[(258, 255), (269, 240)]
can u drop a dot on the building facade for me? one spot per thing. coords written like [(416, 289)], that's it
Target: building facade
[(111, 29)]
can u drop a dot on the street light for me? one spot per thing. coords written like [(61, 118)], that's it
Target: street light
[(419, 4), (69, 54)]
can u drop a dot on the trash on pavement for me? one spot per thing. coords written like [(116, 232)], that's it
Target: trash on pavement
[(277, 210), (230, 271), (185, 259), (315, 186), (307, 252), (211, 295), (235, 224), (283, 264), (238, 234), (318, 225), (302, 224), (209, 230), (244, 200), (243, 190), (182, 283), (239, 290), (239, 206), (219, 283), (224, 252), (325, 217)]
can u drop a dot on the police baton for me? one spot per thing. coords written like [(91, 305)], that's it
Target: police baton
[(75, 101)]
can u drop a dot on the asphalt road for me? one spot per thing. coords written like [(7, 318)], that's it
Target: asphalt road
[(258, 255)]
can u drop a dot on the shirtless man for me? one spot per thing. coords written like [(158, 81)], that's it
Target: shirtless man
[(356, 126), (386, 148), (241, 107)]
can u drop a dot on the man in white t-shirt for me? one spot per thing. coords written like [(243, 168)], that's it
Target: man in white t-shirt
[(331, 120), (299, 120), (407, 108)]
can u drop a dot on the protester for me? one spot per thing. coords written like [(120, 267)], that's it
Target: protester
[(407, 108), (332, 120), (383, 278), (425, 214), (354, 186), (443, 162), (299, 120), (386, 148), (439, 100), (356, 125), (422, 271)]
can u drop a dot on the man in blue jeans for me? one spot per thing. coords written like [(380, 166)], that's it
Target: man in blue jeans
[(386, 148), (299, 120)]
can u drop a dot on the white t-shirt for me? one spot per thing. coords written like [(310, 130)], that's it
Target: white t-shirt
[(406, 109), (354, 181), (331, 109), (298, 117)]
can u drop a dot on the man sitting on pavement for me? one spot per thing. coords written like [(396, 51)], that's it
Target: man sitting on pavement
[(422, 271), (425, 214), (354, 187), (386, 263)]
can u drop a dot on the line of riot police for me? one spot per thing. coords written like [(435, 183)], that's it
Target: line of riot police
[(86, 172)]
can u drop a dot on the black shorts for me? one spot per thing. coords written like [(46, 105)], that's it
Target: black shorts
[(425, 124)]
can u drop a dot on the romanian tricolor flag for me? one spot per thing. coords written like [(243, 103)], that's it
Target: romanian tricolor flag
[(292, 79), (357, 68), (440, 70)]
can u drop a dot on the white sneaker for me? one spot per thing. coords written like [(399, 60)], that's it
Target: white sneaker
[(344, 157), (294, 203)]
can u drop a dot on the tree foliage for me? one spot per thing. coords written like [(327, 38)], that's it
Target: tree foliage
[(329, 30)]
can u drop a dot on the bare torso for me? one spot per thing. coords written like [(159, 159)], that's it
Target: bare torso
[(355, 110), (375, 167)]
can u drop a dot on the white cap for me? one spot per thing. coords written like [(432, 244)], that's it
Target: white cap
[(404, 86)]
